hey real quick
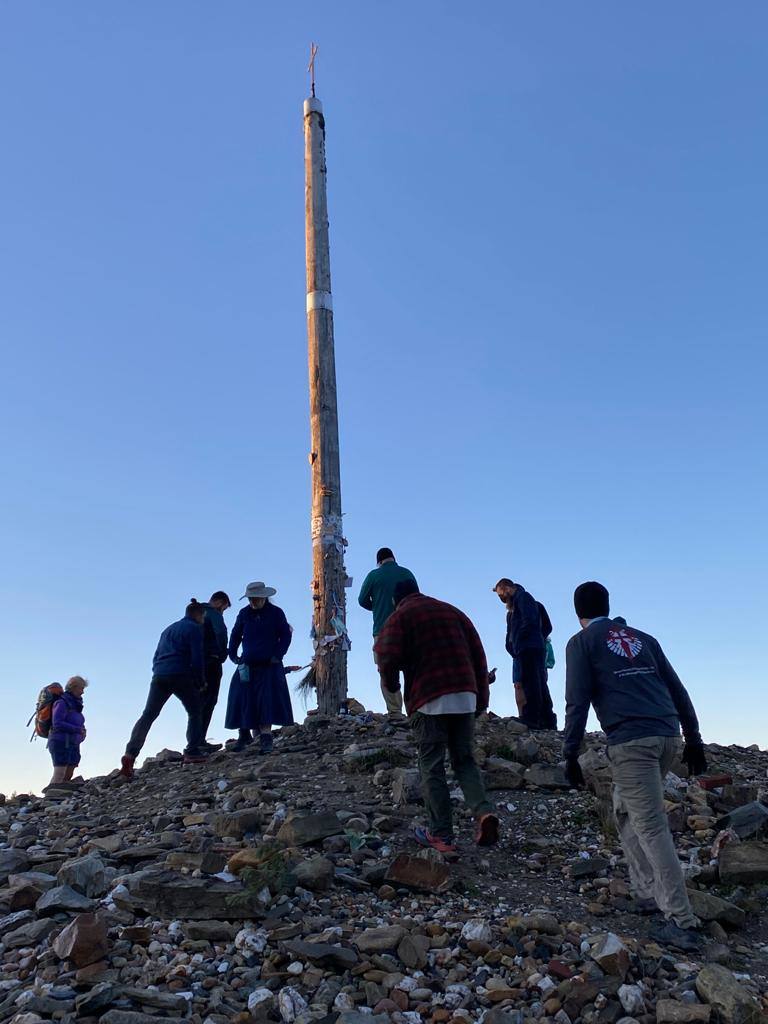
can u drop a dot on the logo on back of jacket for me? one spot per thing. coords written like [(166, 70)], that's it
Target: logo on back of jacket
[(623, 643)]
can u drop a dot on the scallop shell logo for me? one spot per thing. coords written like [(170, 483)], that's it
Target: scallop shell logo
[(623, 643)]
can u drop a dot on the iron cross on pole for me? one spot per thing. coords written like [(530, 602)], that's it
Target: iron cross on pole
[(311, 66)]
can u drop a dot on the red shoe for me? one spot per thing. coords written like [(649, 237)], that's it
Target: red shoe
[(487, 830), (126, 766), (425, 838)]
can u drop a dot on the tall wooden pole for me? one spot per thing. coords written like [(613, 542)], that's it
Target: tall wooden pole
[(328, 591)]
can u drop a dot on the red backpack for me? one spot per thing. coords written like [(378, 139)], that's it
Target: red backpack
[(43, 713)]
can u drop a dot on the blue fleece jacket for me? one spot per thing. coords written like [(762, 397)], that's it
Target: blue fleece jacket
[(180, 650)]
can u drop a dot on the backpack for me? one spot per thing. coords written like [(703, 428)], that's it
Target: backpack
[(43, 714), (546, 622)]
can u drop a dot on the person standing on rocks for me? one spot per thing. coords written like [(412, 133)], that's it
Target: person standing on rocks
[(178, 670), (527, 645), (446, 686), (215, 639), (641, 703), (67, 730), (377, 595), (258, 693)]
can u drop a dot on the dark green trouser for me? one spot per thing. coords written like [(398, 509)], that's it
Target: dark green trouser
[(455, 733)]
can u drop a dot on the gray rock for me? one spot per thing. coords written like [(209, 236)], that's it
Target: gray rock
[(311, 828), (62, 898), (546, 776), (29, 934), (502, 774), (670, 1011), (744, 863), (406, 786), (132, 1017), (379, 940), (84, 874), (712, 908), (157, 1000), (496, 1015), (589, 867), (323, 953), (40, 879), (166, 894), (12, 861), (727, 996), (413, 950), (355, 1017), (12, 921), (315, 874), (238, 823), (99, 998)]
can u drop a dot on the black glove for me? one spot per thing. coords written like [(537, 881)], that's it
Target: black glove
[(695, 758), (573, 772)]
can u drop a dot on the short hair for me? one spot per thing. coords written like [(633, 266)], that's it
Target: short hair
[(219, 595), (504, 582), (75, 681), (404, 589), (591, 600), (383, 554), (194, 607)]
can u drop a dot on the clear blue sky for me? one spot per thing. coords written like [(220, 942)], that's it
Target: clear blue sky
[(549, 231)]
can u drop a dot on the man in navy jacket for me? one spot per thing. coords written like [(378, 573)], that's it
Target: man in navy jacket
[(527, 645), (641, 704), (178, 670)]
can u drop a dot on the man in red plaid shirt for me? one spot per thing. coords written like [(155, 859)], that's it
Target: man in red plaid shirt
[(437, 649)]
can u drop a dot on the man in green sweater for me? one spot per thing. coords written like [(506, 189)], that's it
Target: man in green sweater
[(377, 595)]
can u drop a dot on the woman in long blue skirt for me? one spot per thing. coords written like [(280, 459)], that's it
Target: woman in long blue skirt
[(258, 694)]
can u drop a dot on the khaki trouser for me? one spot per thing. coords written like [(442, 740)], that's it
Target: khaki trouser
[(639, 768), (393, 700)]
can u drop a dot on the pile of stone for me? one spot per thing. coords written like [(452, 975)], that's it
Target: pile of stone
[(287, 888)]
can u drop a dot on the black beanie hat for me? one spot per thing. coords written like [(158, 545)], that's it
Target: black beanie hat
[(591, 600)]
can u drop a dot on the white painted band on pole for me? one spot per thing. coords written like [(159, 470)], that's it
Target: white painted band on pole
[(312, 103), (319, 300)]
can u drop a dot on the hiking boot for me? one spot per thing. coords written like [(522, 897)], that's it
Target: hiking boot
[(689, 940), (240, 745), (442, 844), (196, 757), (211, 748), (126, 766), (644, 906), (266, 743), (487, 830)]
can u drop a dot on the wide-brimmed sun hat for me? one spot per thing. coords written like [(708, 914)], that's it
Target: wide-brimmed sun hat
[(258, 590)]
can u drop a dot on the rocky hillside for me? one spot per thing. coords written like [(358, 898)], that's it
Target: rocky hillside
[(286, 888)]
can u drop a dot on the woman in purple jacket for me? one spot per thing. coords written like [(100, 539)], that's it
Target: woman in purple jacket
[(67, 730)]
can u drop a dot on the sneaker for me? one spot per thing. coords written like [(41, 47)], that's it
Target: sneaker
[(689, 940), (487, 830), (211, 748), (440, 843), (200, 757), (126, 766)]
